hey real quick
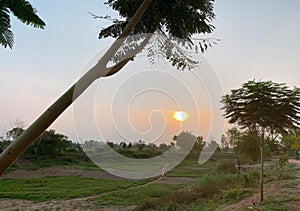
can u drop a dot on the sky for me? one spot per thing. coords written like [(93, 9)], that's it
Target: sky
[(259, 40)]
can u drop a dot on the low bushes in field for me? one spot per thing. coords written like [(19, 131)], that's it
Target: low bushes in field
[(226, 167), (208, 187), (210, 192)]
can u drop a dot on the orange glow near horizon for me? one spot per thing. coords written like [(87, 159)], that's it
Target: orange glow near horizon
[(180, 115)]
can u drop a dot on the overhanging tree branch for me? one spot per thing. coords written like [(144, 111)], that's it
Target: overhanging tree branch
[(180, 19), (11, 154)]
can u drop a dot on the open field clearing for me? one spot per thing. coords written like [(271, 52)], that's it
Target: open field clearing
[(189, 186)]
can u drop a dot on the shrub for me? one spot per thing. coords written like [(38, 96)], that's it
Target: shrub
[(150, 204), (283, 160), (251, 178), (226, 167), (172, 207), (216, 179), (233, 194)]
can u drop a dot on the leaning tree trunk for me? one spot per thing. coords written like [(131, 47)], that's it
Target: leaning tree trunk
[(13, 151)]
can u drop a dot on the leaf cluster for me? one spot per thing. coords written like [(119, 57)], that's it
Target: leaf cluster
[(263, 105), (292, 140), (167, 47), (171, 23), (24, 11), (179, 18)]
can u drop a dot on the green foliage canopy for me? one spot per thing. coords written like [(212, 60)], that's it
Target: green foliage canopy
[(266, 109), (174, 23), (180, 18), (291, 140), (263, 106), (245, 143)]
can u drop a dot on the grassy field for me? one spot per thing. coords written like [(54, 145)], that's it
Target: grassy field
[(135, 195), (47, 188), (214, 184)]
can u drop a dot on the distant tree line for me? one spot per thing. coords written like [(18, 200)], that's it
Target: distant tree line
[(50, 145), (55, 146), (140, 149), (247, 144)]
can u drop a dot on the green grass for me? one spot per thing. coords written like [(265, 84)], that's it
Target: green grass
[(287, 194), (215, 179), (222, 156), (288, 184), (47, 162), (137, 195), (277, 202), (47, 188), (214, 187), (192, 173), (192, 169), (86, 165)]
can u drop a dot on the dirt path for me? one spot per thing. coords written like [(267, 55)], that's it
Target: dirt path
[(268, 190), (72, 204), (296, 205), (297, 162), (251, 201)]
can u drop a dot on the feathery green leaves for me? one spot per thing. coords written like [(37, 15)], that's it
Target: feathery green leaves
[(264, 104), (24, 11), (179, 18), (166, 19), (6, 35)]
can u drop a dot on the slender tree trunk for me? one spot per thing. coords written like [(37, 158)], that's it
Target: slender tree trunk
[(262, 169), (13, 151)]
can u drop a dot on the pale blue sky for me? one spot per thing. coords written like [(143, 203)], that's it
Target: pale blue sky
[(259, 39)]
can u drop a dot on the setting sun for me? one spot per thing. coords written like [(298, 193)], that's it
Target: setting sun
[(180, 115)]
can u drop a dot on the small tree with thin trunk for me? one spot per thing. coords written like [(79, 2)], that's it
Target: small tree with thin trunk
[(264, 108)]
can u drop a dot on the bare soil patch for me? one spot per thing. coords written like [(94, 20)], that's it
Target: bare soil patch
[(58, 171)]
